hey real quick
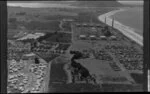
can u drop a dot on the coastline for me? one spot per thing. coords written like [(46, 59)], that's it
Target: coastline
[(126, 30)]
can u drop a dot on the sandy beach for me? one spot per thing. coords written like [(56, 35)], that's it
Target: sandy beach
[(127, 31)]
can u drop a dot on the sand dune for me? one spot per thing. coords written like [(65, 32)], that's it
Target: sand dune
[(127, 31)]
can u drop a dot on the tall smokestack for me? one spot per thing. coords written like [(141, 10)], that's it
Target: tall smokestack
[(105, 20), (113, 22)]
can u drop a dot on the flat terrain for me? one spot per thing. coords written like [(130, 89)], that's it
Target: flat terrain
[(116, 63)]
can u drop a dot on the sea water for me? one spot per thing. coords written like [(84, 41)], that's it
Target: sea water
[(131, 17)]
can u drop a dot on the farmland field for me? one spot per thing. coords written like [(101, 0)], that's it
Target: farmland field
[(61, 35)]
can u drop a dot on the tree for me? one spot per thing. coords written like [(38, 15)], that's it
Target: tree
[(57, 40), (107, 32), (55, 32), (36, 61)]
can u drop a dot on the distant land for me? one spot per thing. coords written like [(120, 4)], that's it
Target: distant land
[(110, 3), (79, 3), (88, 3)]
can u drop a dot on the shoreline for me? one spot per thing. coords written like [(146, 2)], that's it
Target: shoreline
[(126, 30)]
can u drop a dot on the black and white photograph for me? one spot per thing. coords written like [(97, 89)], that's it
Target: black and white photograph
[(75, 46)]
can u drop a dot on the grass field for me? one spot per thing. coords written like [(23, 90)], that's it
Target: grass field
[(137, 77), (56, 37), (48, 19), (57, 72), (74, 88), (121, 88), (11, 33), (67, 26), (39, 25)]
